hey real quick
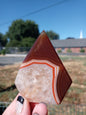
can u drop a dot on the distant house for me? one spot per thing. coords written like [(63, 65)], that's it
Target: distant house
[(70, 45)]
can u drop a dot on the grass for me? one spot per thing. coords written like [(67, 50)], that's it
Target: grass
[(67, 110), (8, 95), (68, 58), (75, 66), (76, 90), (84, 64), (79, 82)]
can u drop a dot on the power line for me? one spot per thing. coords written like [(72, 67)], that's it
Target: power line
[(42, 9), (37, 11)]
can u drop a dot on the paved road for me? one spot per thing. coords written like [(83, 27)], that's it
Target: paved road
[(8, 60), (14, 58)]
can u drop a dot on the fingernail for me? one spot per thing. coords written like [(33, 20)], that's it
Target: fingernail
[(20, 101), (35, 114)]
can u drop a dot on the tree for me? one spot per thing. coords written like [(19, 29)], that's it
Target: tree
[(70, 38), (13, 43), (16, 30), (21, 29), (3, 39), (52, 35), (27, 42), (31, 29), (1, 36)]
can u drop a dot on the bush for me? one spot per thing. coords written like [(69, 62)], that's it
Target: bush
[(59, 51), (82, 50), (3, 52), (69, 50)]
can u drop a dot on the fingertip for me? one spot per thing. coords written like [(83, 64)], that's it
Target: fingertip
[(26, 108), (11, 109), (40, 109), (32, 105)]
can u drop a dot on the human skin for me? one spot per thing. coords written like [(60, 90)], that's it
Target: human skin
[(39, 109)]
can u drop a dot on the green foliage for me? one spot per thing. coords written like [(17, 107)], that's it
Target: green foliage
[(25, 42), (21, 29), (82, 50), (52, 35), (31, 29), (16, 30), (69, 50), (59, 51), (3, 52), (22, 33), (13, 43), (3, 39)]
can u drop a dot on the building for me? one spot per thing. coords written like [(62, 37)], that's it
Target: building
[(70, 45)]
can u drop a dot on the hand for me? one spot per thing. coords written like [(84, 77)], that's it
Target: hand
[(21, 106)]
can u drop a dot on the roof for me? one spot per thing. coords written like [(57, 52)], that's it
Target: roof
[(69, 43)]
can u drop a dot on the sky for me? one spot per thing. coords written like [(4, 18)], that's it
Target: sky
[(65, 17)]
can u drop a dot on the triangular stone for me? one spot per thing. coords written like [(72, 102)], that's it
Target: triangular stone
[(43, 55)]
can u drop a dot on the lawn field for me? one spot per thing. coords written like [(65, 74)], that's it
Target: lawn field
[(76, 67)]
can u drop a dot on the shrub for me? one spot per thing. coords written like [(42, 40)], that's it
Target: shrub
[(3, 52), (59, 51), (69, 50), (82, 50)]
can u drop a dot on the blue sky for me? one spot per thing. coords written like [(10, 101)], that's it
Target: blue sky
[(65, 17)]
